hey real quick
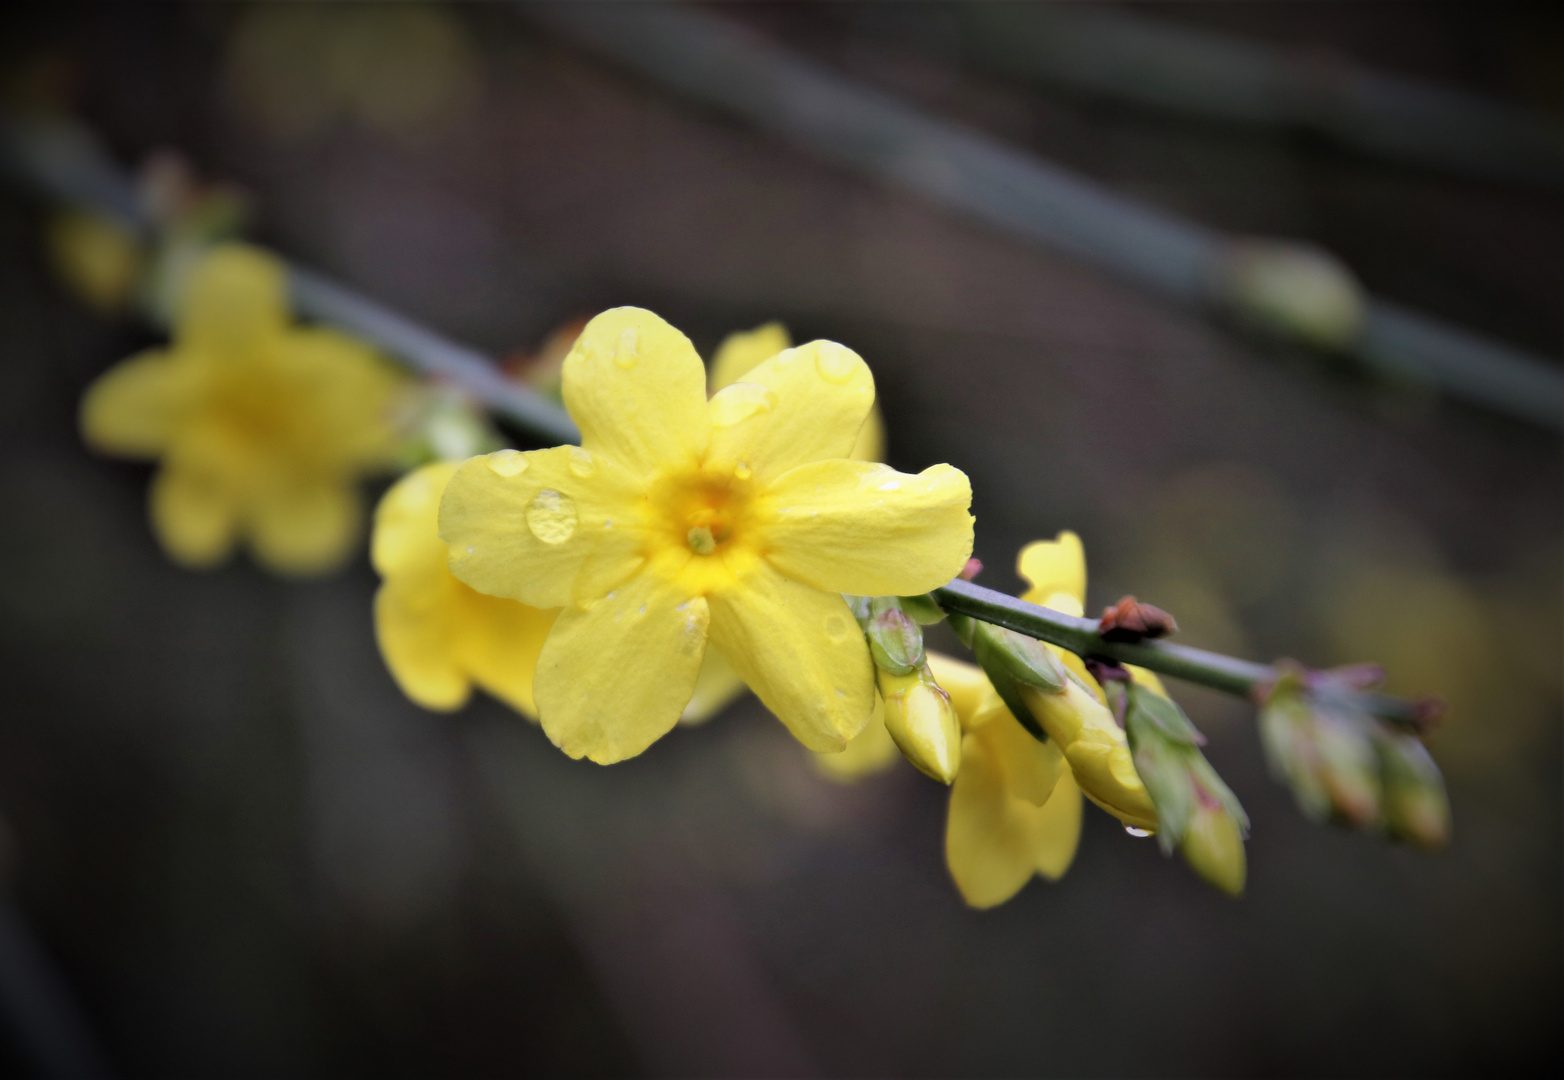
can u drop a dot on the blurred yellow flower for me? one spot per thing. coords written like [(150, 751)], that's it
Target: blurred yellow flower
[(679, 520), (1078, 719), (262, 427), (1014, 810), (97, 257), (438, 636)]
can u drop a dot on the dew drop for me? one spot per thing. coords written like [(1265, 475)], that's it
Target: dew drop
[(835, 628), (890, 485), (629, 350), (552, 517), (742, 471), (785, 358), (836, 363), (642, 610), (581, 462), (507, 462), (1137, 833), (739, 401)]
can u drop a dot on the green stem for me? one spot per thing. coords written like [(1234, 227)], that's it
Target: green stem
[(1226, 673)]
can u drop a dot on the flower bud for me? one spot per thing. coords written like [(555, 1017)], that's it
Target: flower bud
[(1348, 767), (1096, 748), (923, 723), (895, 639), (1295, 289), (1415, 805), (1025, 659), (1213, 846)]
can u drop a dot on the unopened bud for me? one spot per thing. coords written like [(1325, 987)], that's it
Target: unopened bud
[(1416, 807), (895, 640), (1295, 289), (1348, 767), (1213, 846), (923, 723), (1096, 748), (1025, 659)]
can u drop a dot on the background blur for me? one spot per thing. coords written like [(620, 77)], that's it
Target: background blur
[(250, 856)]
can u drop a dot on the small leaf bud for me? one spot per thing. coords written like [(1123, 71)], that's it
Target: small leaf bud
[(895, 640), (1213, 846), (1415, 805), (1025, 659)]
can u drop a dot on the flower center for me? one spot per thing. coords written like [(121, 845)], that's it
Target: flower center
[(704, 525)]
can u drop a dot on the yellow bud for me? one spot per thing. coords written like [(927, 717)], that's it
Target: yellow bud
[(922, 721), (1214, 848), (97, 257), (1095, 746)]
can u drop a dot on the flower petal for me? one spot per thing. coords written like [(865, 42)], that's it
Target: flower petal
[(800, 650), (406, 532), (715, 686), (523, 525), (235, 304), (809, 405), (613, 678), (871, 751), (414, 628), (739, 352), (135, 406), (1030, 768), (1057, 572), (988, 845), (304, 526), (498, 643), (194, 516), (637, 389), (857, 527), (1056, 828), (965, 683)]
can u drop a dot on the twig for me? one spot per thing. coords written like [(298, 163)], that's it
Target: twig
[(1226, 673)]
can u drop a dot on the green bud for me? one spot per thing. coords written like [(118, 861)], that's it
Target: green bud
[(1213, 846), (1348, 767), (923, 608), (1416, 807), (1024, 659), (1295, 289), (895, 640), (922, 722), (1196, 811)]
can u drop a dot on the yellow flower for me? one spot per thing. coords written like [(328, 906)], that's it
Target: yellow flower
[(1014, 810), (261, 426), (438, 636), (97, 257), (872, 750), (1078, 719), (680, 520)]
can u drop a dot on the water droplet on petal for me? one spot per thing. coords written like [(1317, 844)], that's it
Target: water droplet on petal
[(834, 362), (890, 485), (507, 462), (629, 350), (552, 517), (581, 462), (1137, 833), (785, 358), (740, 401), (742, 471), (835, 628), (642, 611)]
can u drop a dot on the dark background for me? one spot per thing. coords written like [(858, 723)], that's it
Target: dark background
[(250, 856)]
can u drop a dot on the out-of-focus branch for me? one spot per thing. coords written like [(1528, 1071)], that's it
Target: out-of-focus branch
[(1124, 56), (62, 161), (1285, 287)]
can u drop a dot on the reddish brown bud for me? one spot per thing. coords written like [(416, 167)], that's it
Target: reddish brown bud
[(1130, 620), (973, 568)]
